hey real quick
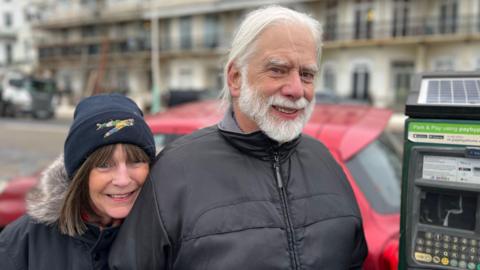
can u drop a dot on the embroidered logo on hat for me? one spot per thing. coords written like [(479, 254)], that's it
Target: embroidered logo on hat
[(117, 124)]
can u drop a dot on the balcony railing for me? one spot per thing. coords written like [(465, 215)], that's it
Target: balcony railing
[(115, 46), (417, 27), (7, 34), (375, 30), (140, 44)]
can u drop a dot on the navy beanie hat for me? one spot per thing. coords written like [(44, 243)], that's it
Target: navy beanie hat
[(102, 120)]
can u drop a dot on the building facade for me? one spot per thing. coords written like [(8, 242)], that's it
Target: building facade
[(371, 48), (17, 48)]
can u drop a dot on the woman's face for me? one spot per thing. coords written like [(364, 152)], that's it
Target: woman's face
[(114, 186)]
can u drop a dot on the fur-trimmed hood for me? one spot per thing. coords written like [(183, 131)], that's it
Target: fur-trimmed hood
[(45, 201)]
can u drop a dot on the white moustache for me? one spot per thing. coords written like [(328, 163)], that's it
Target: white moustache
[(282, 101)]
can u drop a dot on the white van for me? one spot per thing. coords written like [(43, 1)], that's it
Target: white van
[(24, 94)]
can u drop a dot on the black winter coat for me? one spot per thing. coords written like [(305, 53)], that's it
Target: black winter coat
[(217, 200), (33, 242)]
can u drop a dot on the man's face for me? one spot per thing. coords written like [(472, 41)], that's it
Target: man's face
[(258, 107), (277, 90)]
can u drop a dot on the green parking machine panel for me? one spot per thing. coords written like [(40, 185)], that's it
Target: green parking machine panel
[(440, 215)]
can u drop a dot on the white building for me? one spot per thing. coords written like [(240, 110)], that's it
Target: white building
[(17, 48), (371, 47)]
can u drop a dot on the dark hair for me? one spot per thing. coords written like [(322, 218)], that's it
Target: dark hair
[(77, 200)]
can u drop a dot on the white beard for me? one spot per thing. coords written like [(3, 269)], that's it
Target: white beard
[(257, 108)]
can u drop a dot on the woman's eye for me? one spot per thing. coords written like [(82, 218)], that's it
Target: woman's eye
[(104, 165), (136, 163)]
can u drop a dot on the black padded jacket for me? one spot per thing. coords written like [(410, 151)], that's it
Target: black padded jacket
[(34, 241), (218, 200)]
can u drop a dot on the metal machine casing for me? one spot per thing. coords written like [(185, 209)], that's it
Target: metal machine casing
[(440, 214)]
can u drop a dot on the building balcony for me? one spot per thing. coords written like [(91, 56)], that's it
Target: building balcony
[(418, 30), (92, 13), (374, 33), (9, 35), (111, 47), (122, 46)]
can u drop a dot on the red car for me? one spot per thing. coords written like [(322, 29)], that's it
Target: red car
[(12, 197), (354, 135)]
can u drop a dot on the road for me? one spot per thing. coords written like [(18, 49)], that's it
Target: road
[(28, 145)]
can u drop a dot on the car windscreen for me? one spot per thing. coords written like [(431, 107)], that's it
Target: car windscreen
[(377, 172), (18, 83)]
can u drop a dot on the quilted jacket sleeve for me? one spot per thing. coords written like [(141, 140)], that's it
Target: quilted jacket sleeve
[(142, 242), (360, 252)]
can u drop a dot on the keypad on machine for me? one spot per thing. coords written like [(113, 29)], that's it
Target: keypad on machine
[(447, 250)]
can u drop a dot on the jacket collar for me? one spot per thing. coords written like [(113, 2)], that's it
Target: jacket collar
[(44, 202), (98, 238), (256, 144)]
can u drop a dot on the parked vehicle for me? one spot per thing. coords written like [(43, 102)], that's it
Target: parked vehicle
[(24, 94), (354, 135), (12, 197)]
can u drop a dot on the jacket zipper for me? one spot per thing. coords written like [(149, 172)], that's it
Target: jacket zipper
[(286, 211)]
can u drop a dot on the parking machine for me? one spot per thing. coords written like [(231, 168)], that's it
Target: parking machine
[(440, 212)]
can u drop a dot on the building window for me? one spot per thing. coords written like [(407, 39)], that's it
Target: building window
[(29, 14), (27, 48), (90, 3), (361, 82), (402, 73), (93, 49), (401, 10), (478, 19), (448, 16), (478, 64), (185, 78), (329, 79), (186, 32), (165, 35), (212, 29), (364, 16), (7, 19), (89, 31), (443, 64), (8, 54), (122, 81), (331, 20), (66, 81), (215, 79)]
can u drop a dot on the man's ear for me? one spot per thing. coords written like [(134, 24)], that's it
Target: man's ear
[(234, 80)]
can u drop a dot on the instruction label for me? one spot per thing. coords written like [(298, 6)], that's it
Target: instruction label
[(444, 133), (451, 169)]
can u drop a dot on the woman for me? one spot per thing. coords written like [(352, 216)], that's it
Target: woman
[(75, 211)]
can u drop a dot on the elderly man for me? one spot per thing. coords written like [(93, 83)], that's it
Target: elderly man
[(251, 192)]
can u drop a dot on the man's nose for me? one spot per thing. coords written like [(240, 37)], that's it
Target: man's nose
[(294, 88), (121, 176)]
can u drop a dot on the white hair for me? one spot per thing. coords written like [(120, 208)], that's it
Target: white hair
[(243, 43)]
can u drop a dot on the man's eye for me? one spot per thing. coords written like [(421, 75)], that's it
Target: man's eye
[(307, 77), (277, 71)]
